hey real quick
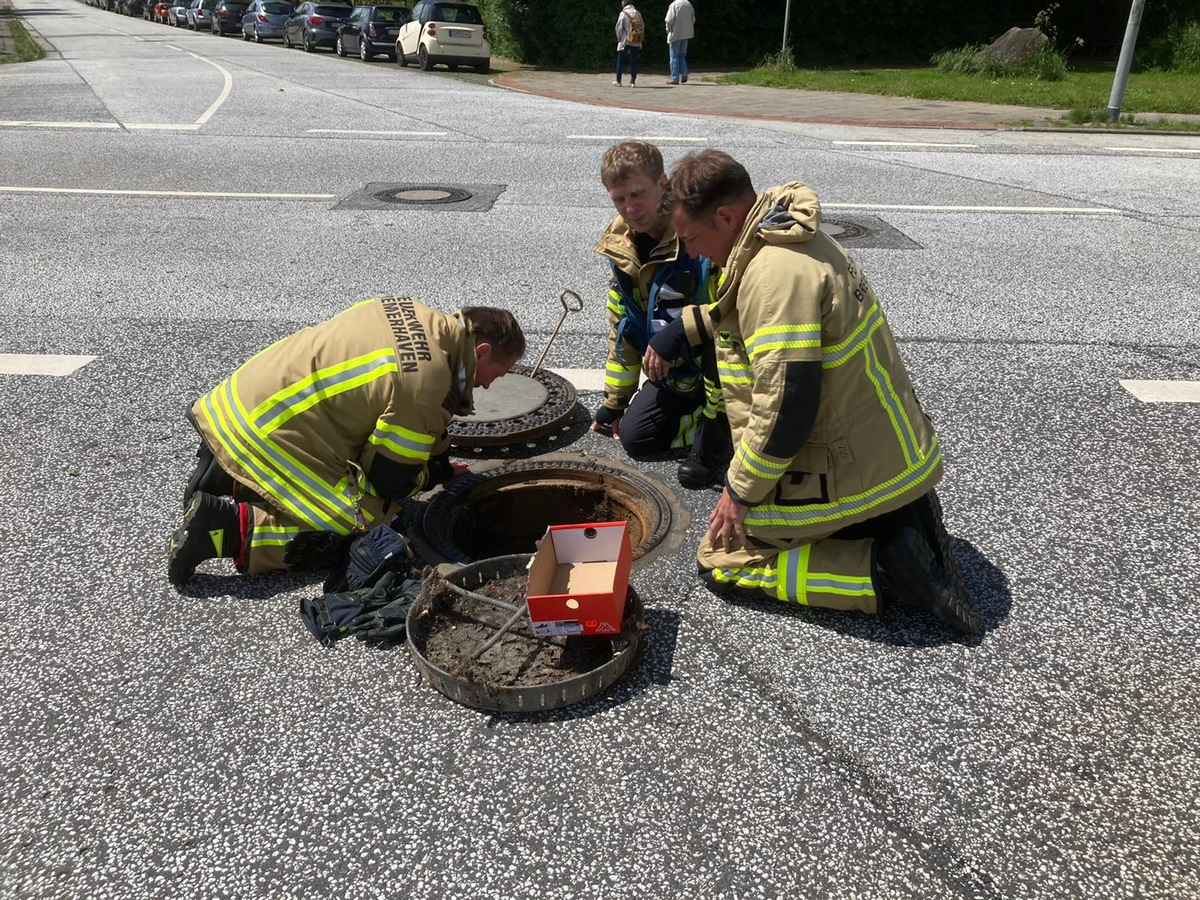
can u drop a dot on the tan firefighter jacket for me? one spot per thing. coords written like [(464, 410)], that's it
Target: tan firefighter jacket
[(791, 293), (641, 298), (354, 405)]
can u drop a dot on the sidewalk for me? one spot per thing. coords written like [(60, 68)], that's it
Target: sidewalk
[(751, 102)]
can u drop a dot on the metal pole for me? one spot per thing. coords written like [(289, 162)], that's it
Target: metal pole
[(1123, 64), (787, 21)]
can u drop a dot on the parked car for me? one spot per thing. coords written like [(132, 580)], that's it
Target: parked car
[(129, 7), (452, 34), (314, 25), (227, 16), (265, 19), (199, 14), (161, 8), (177, 14), (371, 30), (148, 10)]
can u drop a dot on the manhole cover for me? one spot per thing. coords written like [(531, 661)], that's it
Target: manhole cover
[(422, 195), (451, 623), (515, 409), (842, 230), (507, 508)]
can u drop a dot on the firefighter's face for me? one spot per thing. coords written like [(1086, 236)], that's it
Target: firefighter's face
[(490, 365), (712, 236), (639, 200)]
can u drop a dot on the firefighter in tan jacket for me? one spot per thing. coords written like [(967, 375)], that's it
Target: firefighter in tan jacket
[(828, 500), (316, 437)]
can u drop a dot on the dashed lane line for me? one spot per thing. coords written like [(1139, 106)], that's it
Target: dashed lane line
[(11, 123), (53, 364), (1164, 391), (376, 133), (903, 144), (905, 207), (222, 195), (626, 137)]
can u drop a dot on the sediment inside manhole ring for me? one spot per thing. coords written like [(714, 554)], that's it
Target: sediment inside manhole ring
[(505, 509)]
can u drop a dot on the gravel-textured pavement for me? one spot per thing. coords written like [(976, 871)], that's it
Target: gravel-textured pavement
[(158, 744)]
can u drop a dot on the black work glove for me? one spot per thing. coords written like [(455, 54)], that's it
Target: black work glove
[(440, 470), (671, 342), (605, 416)]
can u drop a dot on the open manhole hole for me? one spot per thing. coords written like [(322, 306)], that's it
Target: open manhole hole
[(505, 509), (422, 194), (516, 409)]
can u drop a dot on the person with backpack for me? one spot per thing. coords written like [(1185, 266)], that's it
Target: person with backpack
[(631, 31), (652, 280), (681, 28)]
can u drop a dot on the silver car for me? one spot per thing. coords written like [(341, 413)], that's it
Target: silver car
[(199, 14), (177, 15), (265, 19)]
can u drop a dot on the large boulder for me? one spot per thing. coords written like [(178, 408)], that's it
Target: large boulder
[(1012, 48)]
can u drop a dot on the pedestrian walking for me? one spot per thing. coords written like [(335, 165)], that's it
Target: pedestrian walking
[(681, 28), (631, 31)]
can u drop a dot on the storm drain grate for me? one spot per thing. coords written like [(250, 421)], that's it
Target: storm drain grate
[(448, 197), (866, 231)]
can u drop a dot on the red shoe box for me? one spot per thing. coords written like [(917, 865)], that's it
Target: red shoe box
[(578, 579)]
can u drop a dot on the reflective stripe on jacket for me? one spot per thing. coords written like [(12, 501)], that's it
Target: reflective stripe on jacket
[(790, 293), (638, 295), (306, 420)]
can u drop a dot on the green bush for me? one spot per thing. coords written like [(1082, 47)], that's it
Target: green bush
[(1185, 56), (957, 62)]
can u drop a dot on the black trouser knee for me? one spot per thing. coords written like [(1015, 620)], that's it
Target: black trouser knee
[(652, 420)]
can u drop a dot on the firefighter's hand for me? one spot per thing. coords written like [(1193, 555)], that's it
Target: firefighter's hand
[(726, 528), (654, 365)]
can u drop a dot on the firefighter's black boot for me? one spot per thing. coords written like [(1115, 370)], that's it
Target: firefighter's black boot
[(211, 528), (711, 451), (909, 574)]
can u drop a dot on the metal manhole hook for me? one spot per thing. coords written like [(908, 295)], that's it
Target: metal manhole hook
[(567, 308)]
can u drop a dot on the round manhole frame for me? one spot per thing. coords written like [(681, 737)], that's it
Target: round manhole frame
[(559, 406), (850, 231), (394, 195), (531, 698), (431, 522)]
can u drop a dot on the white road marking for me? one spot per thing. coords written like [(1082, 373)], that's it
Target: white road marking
[(583, 379), (898, 144), (1087, 210), (163, 127), (387, 133), (1164, 391), (225, 91), (226, 195), (1151, 150), (54, 364), (8, 123), (627, 137)]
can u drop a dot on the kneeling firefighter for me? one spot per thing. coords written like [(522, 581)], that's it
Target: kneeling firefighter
[(316, 437)]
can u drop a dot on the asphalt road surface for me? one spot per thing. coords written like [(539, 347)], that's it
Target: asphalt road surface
[(171, 202)]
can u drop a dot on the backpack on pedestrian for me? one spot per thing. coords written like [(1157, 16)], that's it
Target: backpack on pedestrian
[(636, 34)]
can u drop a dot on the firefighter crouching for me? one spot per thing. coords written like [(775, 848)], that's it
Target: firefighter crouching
[(828, 500), (652, 279), (316, 437)]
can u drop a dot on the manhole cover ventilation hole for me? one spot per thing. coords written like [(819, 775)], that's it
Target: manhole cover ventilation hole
[(507, 509), (422, 194), (841, 230)]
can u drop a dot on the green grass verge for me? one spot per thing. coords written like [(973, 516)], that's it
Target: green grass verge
[(1147, 92), (27, 48)]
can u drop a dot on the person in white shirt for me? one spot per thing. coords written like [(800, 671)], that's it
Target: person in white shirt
[(681, 28), (631, 31)]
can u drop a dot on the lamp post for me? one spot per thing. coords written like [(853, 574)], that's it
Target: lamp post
[(787, 21), (1126, 60)]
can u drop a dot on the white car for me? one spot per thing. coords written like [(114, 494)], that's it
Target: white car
[(449, 33)]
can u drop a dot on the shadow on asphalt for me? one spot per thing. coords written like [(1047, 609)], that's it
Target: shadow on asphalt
[(902, 627)]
